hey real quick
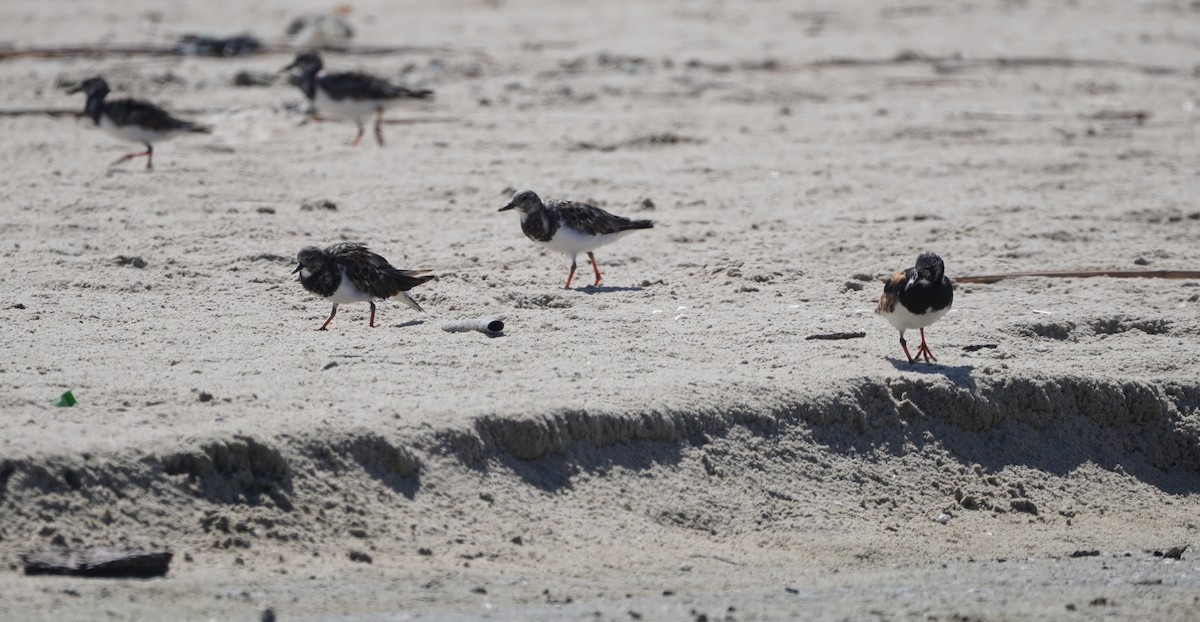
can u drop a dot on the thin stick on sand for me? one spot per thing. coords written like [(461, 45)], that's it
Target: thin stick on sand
[(490, 326), (1115, 274)]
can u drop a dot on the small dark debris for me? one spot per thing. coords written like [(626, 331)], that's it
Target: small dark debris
[(18, 306), (1083, 553), (358, 532), (268, 615), (668, 592), (852, 286), (980, 346), (834, 336), (791, 590), (309, 206), (424, 551), (1142, 261), (206, 45), (1099, 602), (253, 78), (129, 260), (487, 496), (360, 557), (205, 396), (479, 590), (1175, 552), (329, 365), (517, 540), (99, 561), (265, 210), (647, 204)]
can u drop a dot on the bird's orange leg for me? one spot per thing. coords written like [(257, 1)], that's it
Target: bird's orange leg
[(149, 153), (570, 276), (923, 349), (379, 126), (904, 344), (329, 319), (595, 268)]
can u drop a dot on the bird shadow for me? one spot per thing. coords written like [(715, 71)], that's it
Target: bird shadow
[(593, 289), (960, 375), (409, 323)]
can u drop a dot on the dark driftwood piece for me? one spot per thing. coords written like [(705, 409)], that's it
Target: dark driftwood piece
[(97, 561), (832, 336), (1114, 274), (92, 51)]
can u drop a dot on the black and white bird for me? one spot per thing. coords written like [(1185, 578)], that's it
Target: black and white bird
[(348, 272), (916, 298), (349, 95), (131, 119), (570, 227)]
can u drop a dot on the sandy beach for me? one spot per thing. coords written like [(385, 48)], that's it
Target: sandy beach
[(677, 443)]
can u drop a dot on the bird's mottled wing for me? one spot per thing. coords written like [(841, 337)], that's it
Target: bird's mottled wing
[(372, 273), (592, 220), (356, 86), (891, 292), (144, 114)]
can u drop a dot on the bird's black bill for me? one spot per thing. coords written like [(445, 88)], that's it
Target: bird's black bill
[(509, 206), (75, 89), (291, 66), (299, 267)]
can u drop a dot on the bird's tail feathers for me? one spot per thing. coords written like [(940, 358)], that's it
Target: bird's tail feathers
[(415, 93), (408, 300)]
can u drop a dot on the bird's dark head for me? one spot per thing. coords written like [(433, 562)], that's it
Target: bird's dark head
[(526, 201), (91, 86), (306, 62), (930, 267), (310, 259)]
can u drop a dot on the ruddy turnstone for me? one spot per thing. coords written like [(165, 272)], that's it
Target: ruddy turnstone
[(348, 272), (916, 298), (131, 119), (570, 227), (349, 95)]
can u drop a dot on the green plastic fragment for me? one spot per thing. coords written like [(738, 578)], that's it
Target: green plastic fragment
[(64, 400)]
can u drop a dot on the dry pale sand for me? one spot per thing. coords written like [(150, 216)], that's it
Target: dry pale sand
[(669, 446)]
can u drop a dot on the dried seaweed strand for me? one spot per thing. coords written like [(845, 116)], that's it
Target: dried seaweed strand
[(1115, 274)]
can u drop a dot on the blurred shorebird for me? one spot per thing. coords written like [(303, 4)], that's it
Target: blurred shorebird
[(132, 120), (349, 95)]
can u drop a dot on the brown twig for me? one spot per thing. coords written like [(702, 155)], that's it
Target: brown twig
[(173, 50), (835, 336), (949, 64), (49, 112), (1115, 274)]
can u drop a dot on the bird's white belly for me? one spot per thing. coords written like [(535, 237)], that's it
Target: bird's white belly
[(132, 133), (347, 293), (903, 319), (348, 108), (572, 242)]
